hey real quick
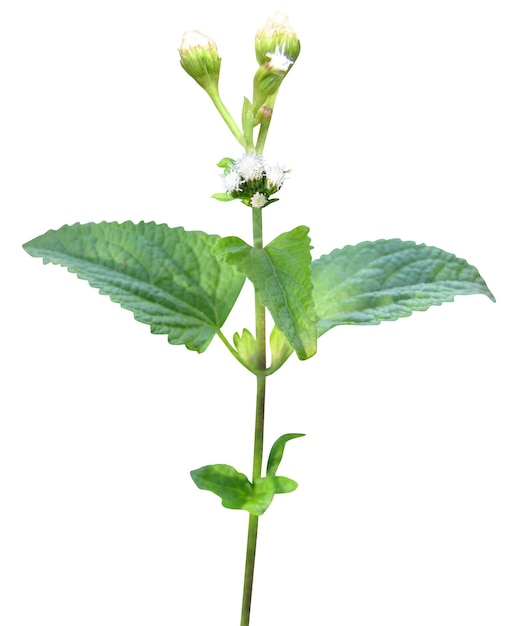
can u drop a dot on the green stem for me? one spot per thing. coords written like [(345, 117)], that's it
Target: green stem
[(264, 126), (261, 379), (225, 114)]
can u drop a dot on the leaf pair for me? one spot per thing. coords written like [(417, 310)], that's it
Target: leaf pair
[(235, 489), (185, 283)]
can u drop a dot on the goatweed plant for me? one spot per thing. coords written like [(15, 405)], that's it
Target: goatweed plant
[(185, 283)]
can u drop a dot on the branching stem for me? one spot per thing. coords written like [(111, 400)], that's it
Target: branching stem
[(226, 115)]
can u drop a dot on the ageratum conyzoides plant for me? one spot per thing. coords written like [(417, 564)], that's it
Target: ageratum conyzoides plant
[(184, 284)]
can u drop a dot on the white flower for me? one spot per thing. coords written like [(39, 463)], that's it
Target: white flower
[(231, 181), (275, 175), (258, 200), (250, 166), (278, 59)]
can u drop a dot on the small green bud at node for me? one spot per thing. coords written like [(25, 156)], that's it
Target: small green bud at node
[(200, 59), (265, 112)]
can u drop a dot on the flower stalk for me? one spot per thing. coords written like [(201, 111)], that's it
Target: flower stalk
[(200, 59)]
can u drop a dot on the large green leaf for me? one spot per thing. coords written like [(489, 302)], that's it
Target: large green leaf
[(387, 279), (281, 274), (167, 277)]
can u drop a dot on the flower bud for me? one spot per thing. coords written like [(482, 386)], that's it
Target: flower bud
[(277, 48), (199, 58), (277, 39)]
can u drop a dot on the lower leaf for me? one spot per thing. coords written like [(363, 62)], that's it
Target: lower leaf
[(231, 486), (235, 490)]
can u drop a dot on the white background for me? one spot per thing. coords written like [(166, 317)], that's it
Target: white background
[(394, 123)]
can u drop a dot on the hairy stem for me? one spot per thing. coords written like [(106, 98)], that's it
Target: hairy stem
[(261, 379)]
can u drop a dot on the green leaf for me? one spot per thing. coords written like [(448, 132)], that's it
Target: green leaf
[(231, 486), (276, 452), (264, 491), (246, 347), (281, 274), (226, 163), (235, 490), (222, 197), (167, 277), (280, 349), (383, 280), (262, 497), (282, 484)]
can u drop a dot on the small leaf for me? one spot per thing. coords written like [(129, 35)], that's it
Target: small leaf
[(222, 197), (276, 452), (264, 491), (281, 274), (387, 279), (247, 121), (246, 347), (231, 486), (226, 163), (279, 347), (167, 277), (262, 497), (235, 490), (282, 484)]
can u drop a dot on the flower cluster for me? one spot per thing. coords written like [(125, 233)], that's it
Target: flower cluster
[(251, 179)]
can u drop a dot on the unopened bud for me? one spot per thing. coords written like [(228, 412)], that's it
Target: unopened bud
[(277, 48), (200, 59), (277, 39)]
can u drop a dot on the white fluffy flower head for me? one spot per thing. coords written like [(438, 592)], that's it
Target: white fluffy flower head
[(250, 166), (275, 175), (258, 200), (231, 181), (278, 59)]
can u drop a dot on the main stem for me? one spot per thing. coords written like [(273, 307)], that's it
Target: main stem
[(258, 436)]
